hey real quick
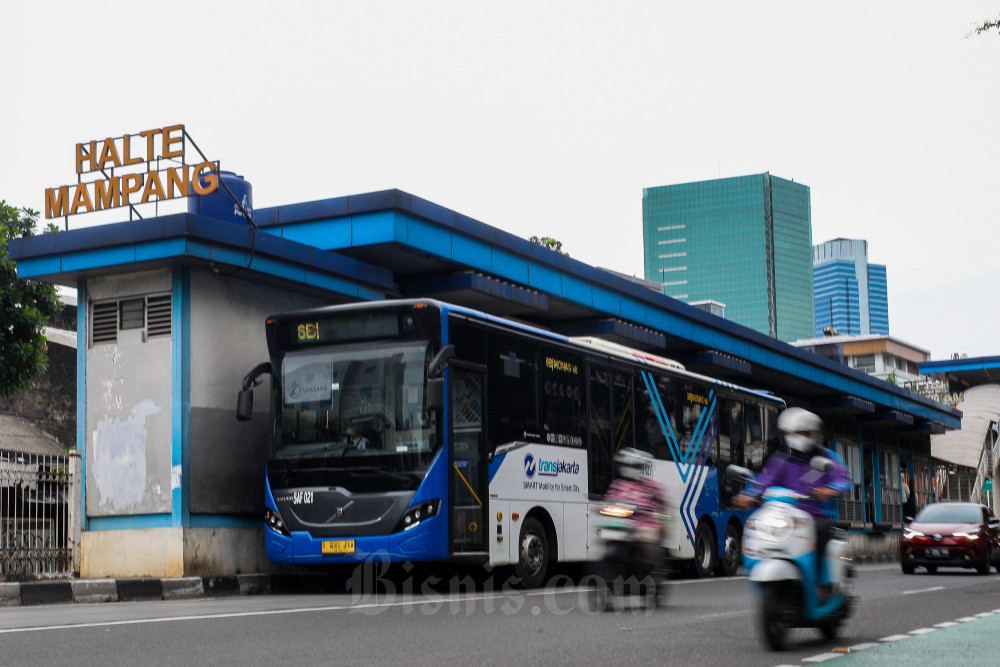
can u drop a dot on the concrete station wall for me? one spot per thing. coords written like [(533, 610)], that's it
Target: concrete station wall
[(227, 341), (128, 428)]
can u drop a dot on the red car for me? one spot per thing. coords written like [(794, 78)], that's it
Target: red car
[(951, 535)]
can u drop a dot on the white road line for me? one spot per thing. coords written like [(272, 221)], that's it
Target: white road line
[(862, 647), (965, 619), (946, 624), (922, 631), (894, 638), (822, 657), (441, 601), (923, 590), (984, 614)]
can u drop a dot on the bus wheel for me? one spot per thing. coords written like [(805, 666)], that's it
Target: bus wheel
[(532, 554), (729, 564), (704, 550)]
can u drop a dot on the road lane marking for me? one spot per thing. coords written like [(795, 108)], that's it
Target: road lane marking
[(922, 631), (442, 600), (894, 638), (862, 647), (984, 614), (946, 624), (822, 657), (965, 619), (923, 590)]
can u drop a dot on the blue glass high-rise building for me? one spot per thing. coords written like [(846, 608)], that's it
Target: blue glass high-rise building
[(851, 293), (745, 242)]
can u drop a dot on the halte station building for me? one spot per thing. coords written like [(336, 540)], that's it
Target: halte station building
[(171, 318)]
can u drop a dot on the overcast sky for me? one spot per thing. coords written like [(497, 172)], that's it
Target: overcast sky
[(549, 118)]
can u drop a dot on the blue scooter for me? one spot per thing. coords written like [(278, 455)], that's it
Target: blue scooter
[(779, 556)]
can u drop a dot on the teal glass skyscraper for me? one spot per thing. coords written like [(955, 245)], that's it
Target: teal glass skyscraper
[(851, 293), (743, 241)]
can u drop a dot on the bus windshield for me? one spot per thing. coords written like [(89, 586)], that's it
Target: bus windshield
[(362, 401)]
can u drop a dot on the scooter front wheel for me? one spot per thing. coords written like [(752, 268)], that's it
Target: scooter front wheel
[(773, 624)]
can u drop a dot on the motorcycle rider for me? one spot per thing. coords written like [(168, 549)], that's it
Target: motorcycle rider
[(633, 485), (802, 431)]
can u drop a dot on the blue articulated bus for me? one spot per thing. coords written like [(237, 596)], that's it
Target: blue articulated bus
[(415, 430)]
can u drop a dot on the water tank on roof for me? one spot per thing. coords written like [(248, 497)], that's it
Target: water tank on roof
[(220, 204)]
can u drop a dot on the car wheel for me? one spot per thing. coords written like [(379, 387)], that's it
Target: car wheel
[(532, 554), (907, 568), (983, 567), (704, 551)]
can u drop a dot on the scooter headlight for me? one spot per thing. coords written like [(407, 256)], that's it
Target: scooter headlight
[(774, 524)]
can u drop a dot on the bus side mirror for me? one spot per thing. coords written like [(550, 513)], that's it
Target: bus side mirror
[(435, 383), (435, 393), (244, 401), (244, 405)]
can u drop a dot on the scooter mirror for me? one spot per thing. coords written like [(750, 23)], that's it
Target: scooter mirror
[(820, 463), (738, 472)]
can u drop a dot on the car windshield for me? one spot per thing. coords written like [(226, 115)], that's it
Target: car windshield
[(949, 514)]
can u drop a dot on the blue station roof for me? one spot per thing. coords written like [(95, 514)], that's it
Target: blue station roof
[(392, 244)]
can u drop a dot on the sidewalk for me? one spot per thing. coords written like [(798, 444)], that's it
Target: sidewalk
[(67, 591)]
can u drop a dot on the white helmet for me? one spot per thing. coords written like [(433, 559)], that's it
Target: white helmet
[(630, 462), (801, 428)]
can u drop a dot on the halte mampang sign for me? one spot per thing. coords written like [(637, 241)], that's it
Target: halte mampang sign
[(132, 169)]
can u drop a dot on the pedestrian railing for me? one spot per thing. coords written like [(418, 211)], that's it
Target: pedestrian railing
[(39, 515)]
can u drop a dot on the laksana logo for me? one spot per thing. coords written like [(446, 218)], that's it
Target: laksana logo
[(546, 468)]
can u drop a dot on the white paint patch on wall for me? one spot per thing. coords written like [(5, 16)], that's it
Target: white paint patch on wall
[(119, 464)]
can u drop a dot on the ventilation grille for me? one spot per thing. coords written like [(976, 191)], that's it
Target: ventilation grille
[(158, 315), (153, 311), (105, 326)]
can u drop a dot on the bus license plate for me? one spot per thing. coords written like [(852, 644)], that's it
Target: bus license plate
[(338, 547)]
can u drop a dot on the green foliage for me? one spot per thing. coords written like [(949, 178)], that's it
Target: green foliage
[(986, 26), (25, 308), (548, 242)]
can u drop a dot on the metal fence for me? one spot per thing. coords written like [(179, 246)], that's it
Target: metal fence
[(39, 515)]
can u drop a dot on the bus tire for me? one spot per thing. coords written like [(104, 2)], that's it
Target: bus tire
[(732, 556), (704, 550), (532, 554)]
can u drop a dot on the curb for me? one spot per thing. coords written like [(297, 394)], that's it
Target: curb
[(91, 591)]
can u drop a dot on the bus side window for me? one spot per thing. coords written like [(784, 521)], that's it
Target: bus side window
[(756, 448), (692, 402), (563, 389), (602, 435), (655, 411), (512, 389)]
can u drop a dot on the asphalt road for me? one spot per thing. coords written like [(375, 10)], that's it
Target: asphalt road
[(451, 617)]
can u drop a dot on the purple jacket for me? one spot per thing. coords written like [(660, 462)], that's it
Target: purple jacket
[(795, 473)]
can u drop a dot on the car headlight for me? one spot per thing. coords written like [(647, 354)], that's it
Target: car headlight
[(969, 535), (909, 533)]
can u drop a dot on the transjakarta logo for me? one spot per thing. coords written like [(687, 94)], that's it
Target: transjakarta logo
[(549, 468)]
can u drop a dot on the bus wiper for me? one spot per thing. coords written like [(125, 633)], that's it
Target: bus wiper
[(381, 470)]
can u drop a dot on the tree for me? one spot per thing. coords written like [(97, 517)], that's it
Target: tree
[(550, 243), (986, 26), (25, 308)]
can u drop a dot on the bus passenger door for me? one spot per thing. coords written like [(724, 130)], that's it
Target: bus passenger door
[(468, 469)]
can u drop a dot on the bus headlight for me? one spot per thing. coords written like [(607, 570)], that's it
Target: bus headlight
[(417, 513), (273, 521)]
